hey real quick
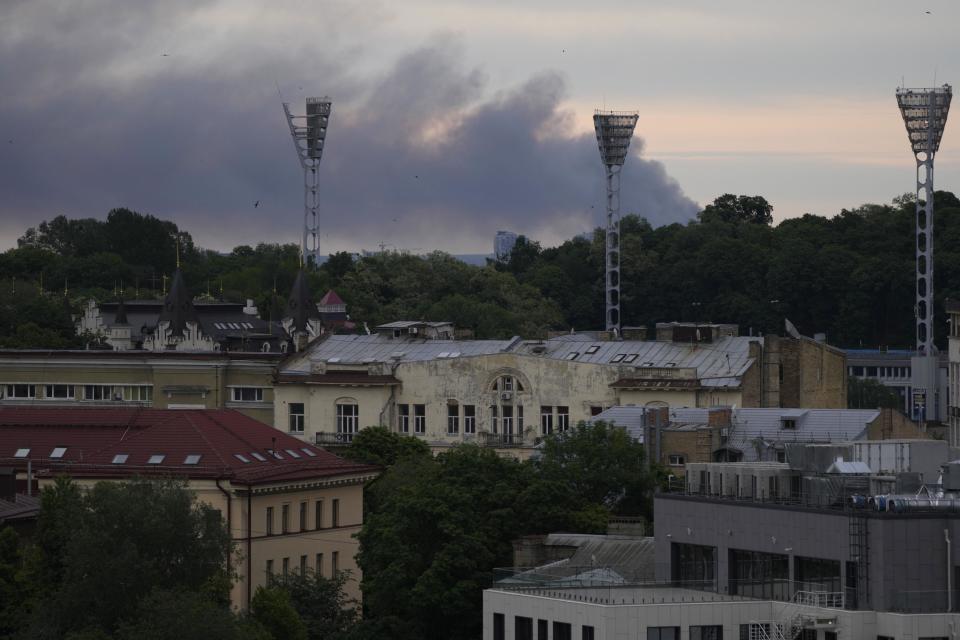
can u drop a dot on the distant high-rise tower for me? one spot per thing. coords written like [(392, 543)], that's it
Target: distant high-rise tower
[(614, 130), (308, 140), (503, 244), (925, 115)]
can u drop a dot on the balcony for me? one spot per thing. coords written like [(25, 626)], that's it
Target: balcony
[(502, 440), (326, 438)]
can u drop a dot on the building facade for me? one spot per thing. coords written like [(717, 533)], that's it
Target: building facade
[(289, 506), (415, 379), (893, 368)]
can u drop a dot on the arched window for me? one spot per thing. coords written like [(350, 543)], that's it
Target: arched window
[(507, 383)]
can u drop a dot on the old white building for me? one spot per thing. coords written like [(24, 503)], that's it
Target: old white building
[(413, 377)]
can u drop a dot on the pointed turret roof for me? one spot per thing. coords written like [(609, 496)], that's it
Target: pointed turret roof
[(178, 306), (299, 305)]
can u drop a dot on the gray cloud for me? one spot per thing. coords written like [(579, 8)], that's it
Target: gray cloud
[(420, 156)]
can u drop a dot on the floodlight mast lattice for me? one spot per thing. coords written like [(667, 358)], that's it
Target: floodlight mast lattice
[(614, 130), (308, 139), (924, 113)]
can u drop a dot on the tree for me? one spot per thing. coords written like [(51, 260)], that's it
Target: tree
[(99, 553), (381, 446), (272, 609), (602, 465), (738, 209), (13, 594), (871, 394), (186, 615), (321, 604)]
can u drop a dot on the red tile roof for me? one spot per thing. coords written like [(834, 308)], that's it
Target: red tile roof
[(93, 437), (331, 297)]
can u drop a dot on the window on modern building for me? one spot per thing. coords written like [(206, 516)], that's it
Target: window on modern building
[(403, 417), (303, 565), (563, 419), (663, 633), (269, 521), (499, 627), (546, 420), (419, 418), (453, 419), (59, 392), (335, 513), (318, 515), (21, 391), (706, 632), (543, 630), (247, 394), (296, 417), (595, 410), (348, 419), (334, 563), (469, 418), (285, 518), (303, 516), (319, 565), (97, 392), (269, 571), (587, 632), (562, 631), (286, 567), (677, 460), (522, 628)]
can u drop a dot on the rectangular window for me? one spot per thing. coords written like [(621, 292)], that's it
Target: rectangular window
[(334, 563), (706, 632), (563, 419), (520, 419), (677, 460), (318, 515), (543, 630), (335, 513), (303, 516), (303, 565), (499, 627), (562, 631), (469, 418), (269, 571), (319, 566), (595, 410), (21, 391), (286, 567), (348, 420), (97, 392), (296, 417), (404, 417), (59, 392), (546, 420), (663, 633), (269, 521), (453, 419), (522, 628), (285, 518), (247, 394), (788, 423), (507, 419), (136, 392), (587, 632), (419, 418)]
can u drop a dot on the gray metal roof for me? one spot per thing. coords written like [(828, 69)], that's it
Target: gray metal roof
[(367, 349), (630, 417), (630, 557), (719, 364)]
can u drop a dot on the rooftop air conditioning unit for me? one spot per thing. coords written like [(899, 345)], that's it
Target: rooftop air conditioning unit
[(506, 395)]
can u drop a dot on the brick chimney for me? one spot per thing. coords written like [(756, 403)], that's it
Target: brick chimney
[(719, 417)]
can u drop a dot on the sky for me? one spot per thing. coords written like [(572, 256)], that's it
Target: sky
[(453, 119)]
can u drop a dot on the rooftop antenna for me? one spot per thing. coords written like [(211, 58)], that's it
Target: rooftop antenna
[(614, 130), (924, 113), (308, 139)]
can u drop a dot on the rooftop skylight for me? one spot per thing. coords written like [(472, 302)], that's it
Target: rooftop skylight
[(193, 458), (58, 452), (292, 453), (157, 458), (21, 453), (258, 456), (242, 458), (309, 452), (120, 458)]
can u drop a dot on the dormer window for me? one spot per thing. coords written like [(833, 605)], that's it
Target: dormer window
[(788, 423)]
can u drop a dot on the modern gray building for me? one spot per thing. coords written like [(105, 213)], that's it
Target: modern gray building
[(503, 244)]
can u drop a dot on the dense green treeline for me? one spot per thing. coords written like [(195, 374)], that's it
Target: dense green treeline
[(849, 276)]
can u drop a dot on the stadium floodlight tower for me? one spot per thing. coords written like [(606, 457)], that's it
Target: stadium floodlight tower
[(614, 130), (925, 115), (308, 139)]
